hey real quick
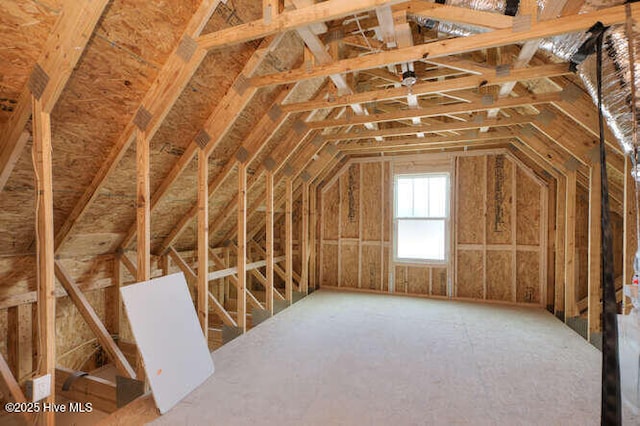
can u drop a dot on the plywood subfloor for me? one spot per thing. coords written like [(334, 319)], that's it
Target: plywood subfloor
[(347, 359)]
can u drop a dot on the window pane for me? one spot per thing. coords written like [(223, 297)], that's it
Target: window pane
[(421, 239), (437, 196), (404, 205), (420, 197)]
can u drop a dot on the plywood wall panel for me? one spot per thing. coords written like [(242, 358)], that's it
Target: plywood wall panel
[(470, 199), (439, 282), (470, 274), (528, 208), (500, 275), (499, 199), (527, 277), (417, 280), (330, 213), (350, 194), (349, 265), (372, 208), (400, 279), (329, 265), (371, 267)]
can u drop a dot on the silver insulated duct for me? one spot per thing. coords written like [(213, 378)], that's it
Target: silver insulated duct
[(617, 99)]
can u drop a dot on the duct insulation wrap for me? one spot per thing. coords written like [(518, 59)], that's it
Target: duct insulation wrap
[(617, 102), (616, 84)]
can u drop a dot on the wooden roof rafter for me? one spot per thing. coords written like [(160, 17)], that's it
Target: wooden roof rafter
[(182, 64), (575, 23), (216, 126), (60, 54)]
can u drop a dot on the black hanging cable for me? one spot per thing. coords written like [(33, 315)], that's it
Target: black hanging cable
[(611, 401)]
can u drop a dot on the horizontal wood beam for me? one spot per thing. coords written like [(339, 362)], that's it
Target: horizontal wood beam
[(460, 108), (488, 78), (437, 128), (427, 141), (32, 297), (553, 27), (221, 273), (93, 321), (290, 20), (460, 15)]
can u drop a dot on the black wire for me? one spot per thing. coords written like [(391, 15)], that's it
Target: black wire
[(611, 401)]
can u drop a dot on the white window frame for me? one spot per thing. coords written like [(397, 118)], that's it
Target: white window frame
[(446, 218)]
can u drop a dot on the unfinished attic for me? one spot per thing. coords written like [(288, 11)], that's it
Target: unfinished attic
[(360, 212)]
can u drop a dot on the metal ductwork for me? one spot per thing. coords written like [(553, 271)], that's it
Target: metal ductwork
[(617, 101)]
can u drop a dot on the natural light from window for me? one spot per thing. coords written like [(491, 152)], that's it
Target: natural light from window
[(421, 210)]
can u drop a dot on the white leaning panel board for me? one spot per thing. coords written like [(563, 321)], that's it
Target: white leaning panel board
[(166, 328)]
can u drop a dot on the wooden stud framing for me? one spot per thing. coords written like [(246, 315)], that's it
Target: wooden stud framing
[(514, 233), (269, 242), (203, 243), (289, 239), (44, 246), (595, 251), (242, 247), (561, 210), (93, 321), (570, 302), (114, 303), (9, 384), (143, 212), (304, 240)]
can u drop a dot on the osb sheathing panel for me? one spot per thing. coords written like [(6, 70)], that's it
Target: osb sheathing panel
[(350, 196), (121, 60), (527, 277), (499, 199), (371, 201), (17, 275), (469, 274), (470, 199), (17, 215), (528, 209), (330, 212), (371, 267), (72, 331), (400, 278), (222, 200), (349, 265), (417, 280), (499, 275), (582, 241), (617, 232), (329, 265), (24, 29), (212, 80), (439, 282), (3, 333), (175, 205)]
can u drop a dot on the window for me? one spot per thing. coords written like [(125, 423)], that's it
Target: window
[(421, 216)]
